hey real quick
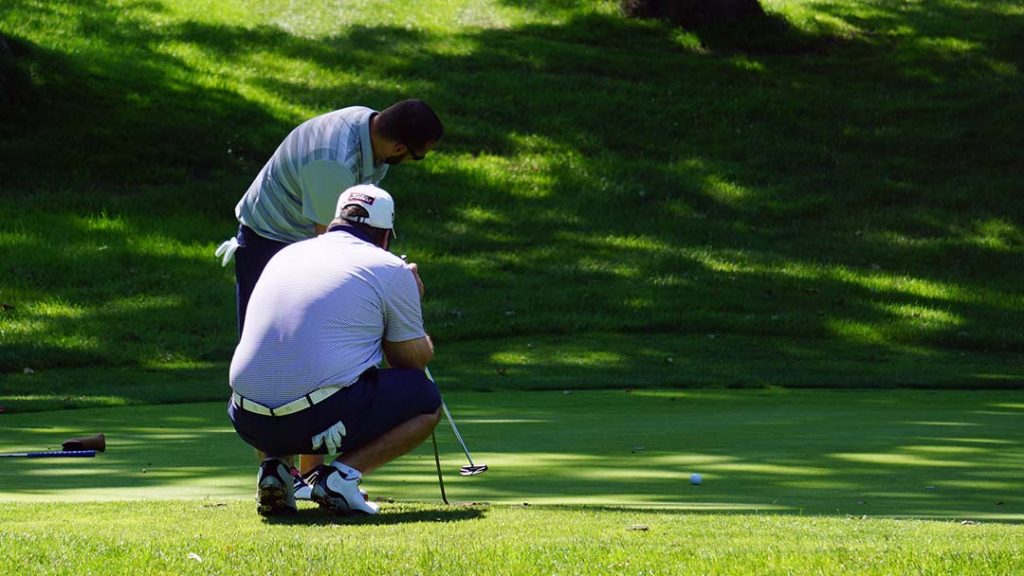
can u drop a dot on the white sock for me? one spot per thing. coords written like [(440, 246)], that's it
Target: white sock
[(349, 472)]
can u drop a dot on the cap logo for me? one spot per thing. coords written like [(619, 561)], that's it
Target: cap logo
[(364, 198)]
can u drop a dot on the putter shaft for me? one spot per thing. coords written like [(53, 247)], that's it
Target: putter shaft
[(473, 469), (52, 454), (440, 478), (451, 422)]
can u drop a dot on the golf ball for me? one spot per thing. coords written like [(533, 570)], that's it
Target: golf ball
[(696, 479)]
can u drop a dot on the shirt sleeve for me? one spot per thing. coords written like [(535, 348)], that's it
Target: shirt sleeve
[(403, 316), (322, 182)]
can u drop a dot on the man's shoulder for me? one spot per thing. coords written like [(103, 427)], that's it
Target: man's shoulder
[(374, 257), (352, 114), (355, 245), (349, 118), (391, 261)]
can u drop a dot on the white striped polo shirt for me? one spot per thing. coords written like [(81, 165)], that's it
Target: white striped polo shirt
[(300, 184)]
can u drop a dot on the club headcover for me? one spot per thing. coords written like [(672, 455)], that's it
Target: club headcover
[(97, 442)]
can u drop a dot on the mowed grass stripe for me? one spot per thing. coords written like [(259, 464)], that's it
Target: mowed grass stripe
[(952, 455)]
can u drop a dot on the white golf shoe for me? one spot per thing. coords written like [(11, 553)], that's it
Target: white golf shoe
[(335, 491), (304, 484)]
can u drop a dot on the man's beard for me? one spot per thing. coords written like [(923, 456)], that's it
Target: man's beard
[(396, 159)]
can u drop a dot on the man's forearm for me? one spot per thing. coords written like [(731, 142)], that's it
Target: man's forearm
[(409, 354)]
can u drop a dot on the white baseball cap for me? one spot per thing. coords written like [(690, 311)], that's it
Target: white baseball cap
[(377, 202)]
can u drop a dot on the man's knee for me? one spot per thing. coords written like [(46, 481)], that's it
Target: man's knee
[(435, 416), (411, 393), (429, 395)]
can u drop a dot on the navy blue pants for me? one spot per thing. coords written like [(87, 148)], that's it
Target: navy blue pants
[(379, 401), (254, 251)]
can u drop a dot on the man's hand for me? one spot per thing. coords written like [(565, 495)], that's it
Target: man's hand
[(330, 438), (416, 274)]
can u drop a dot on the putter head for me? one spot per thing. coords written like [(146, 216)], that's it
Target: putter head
[(472, 470)]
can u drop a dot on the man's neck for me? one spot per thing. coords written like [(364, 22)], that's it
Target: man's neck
[(349, 228)]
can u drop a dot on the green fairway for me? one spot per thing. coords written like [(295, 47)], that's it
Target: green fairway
[(952, 455), (863, 482), (192, 537)]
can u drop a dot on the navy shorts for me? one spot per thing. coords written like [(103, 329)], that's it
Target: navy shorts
[(254, 251), (379, 401)]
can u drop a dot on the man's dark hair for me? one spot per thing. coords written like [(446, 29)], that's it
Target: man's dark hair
[(410, 122), (376, 235)]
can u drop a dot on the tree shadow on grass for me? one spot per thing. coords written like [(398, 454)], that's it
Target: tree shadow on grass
[(947, 455), (598, 176)]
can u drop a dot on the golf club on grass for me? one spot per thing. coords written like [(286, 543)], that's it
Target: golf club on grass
[(472, 469), (52, 454), (83, 447)]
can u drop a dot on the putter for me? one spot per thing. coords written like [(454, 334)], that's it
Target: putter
[(52, 454), (472, 469)]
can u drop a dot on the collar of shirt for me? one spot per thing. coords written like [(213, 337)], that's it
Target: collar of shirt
[(344, 227)]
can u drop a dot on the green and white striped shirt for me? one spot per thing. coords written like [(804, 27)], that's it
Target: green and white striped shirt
[(300, 184)]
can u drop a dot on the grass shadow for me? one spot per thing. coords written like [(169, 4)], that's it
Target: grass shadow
[(770, 34), (860, 196), (937, 455), (443, 515)]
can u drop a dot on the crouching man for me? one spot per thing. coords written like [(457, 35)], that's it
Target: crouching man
[(305, 374)]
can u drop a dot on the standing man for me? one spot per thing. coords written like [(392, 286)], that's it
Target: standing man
[(304, 375), (294, 196)]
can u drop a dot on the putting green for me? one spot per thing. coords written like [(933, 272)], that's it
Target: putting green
[(945, 454)]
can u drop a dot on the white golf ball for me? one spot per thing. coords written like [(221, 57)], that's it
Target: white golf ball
[(696, 479)]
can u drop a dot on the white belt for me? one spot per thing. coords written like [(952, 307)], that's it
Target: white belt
[(312, 399)]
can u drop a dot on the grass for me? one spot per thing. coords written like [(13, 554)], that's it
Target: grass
[(938, 455), (855, 191), (864, 482), (416, 539), (587, 361), (640, 244)]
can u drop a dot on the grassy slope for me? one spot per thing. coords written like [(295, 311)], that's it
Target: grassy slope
[(590, 361), (843, 207)]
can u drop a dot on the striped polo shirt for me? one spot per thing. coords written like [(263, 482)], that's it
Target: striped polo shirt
[(300, 184), (318, 316)]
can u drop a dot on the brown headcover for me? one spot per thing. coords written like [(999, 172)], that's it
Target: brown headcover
[(97, 442)]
